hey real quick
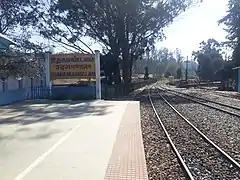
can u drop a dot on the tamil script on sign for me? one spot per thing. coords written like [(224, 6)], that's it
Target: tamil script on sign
[(72, 66), (76, 66)]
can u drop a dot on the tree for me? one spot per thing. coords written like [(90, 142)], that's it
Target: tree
[(16, 19), (179, 73), (178, 56), (125, 28), (110, 65), (25, 59), (18, 64), (161, 61), (232, 21), (209, 57), (169, 64), (16, 14)]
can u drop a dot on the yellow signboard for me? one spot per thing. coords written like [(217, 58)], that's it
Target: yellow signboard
[(72, 66)]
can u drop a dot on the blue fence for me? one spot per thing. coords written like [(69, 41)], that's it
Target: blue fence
[(84, 92), (73, 92), (9, 97), (38, 93), (58, 93)]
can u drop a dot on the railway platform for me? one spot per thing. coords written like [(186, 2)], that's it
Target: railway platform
[(98, 140)]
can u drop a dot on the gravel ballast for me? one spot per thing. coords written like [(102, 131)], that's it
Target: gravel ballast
[(202, 159), (222, 128), (211, 95), (235, 110), (161, 160)]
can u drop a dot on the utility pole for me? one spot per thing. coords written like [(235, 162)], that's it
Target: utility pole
[(186, 71), (146, 74)]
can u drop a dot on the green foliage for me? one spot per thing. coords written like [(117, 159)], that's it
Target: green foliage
[(110, 65), (179, 73), (125, 28), (16, 14), (160, 61), (236, 55), (209, 58), (17, 17), (232, 21), (25, 59), (18, 64), (227, 72), (168, 62)]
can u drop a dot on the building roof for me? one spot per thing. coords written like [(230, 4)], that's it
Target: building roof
[(5, 42), (238, 67)]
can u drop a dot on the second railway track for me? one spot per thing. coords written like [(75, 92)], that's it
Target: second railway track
[(202, 159), (226, 108)]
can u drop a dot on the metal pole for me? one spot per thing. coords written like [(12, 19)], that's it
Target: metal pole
[(48, 71), (186, 72), (98, 75), (148, 57)]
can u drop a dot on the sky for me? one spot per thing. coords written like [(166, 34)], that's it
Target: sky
[(195, 25), (192, 27)]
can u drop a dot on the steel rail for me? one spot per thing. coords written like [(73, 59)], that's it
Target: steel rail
[(171, 142), (234, 162)]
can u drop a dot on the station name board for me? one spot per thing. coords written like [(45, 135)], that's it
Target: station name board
[(72, 66)]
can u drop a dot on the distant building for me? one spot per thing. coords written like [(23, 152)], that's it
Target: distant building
[(238, 77), (5, 42)]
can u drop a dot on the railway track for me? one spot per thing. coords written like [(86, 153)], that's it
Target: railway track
[(198, 155), (232, 110), (221, 94)]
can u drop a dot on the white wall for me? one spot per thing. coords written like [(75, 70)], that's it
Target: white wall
[(12, 83)]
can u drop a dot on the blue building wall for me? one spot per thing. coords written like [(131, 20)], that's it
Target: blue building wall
[(58, 92), (9, 97), (15, 90)]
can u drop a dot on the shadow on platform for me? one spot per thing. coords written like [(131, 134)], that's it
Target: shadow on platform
[(35, 112)]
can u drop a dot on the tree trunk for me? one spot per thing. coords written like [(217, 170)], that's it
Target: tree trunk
[(110, 79), (116, 73), (117, 77), (126, 67), (130, 69), (126, 72)]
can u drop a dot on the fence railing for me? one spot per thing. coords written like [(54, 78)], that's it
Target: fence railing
[(35, 93), (70, 93), (115, 91)]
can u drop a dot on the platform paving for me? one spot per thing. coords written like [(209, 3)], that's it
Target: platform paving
[(127, 161), (80, 140)]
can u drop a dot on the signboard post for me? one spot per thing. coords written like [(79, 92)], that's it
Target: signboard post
[(98, 75), (48, 71)]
